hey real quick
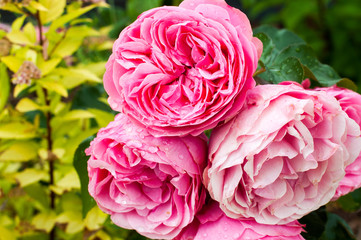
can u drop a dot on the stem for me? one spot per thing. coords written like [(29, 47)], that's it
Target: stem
[(40, 28), (58, 42), (51, 157), (259, 71)]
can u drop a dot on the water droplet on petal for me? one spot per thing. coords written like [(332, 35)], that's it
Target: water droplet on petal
[(153, 149), (124, 202), (181, 156)]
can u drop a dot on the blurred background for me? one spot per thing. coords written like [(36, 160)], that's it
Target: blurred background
[(42, 121)]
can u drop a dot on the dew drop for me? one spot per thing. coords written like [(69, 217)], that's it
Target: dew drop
[(124, 202), (205, 235), (153, 149), (236, 236), (181, 156)]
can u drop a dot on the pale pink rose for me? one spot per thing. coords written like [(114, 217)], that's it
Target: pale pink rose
[(282, 156), (212, 224), (350, 102), (181, 70), (149, 184)]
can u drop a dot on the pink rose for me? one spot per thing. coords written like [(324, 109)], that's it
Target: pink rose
[(350, 102), (212, 224), (282, 156), (181, 70), (149, 184)]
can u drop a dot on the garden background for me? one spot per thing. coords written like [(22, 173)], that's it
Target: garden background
[(56, 101)]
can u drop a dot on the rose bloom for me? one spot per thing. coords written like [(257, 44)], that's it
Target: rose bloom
[(181, 70), (212, 224), (350, 102), (149, 184), (283, 156)]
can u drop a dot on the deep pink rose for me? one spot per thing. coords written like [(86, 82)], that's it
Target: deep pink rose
[(181, 70), (350, 102), (282, 156), (149, 184), (212, 224)]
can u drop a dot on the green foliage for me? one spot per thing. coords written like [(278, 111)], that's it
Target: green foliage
[(287, 57), (329, 27), (80, 164), (42, 121), (324, 225)]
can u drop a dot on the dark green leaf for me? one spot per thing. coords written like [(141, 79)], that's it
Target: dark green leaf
[(268, 47), (336, 229), (288, 70), (315, 224), (38, 193), (80, 164), (323, 73), (281, 38), (347, 83), (350, 202)]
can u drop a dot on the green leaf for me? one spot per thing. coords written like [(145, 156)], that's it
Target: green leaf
[(78, 114), (288, 70), (323, 73), (53, 86), (20, 151), (281, 38), (61, 21), (80, 164), (351, 202), (336, 229), (5, 86), (38, 193), (268, 47), (12, 62), (27, 105), (55, 9), (30, 176), (44, 221), (315, 224), (29, 31), (73, 220), (38, 6), (95, 219), (347, 83), (17, 130), (47, 66), (6, 234), (68, 182), (280, 45), (18, 23)]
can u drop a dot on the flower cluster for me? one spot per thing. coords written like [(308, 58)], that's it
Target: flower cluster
[(276, 152)]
